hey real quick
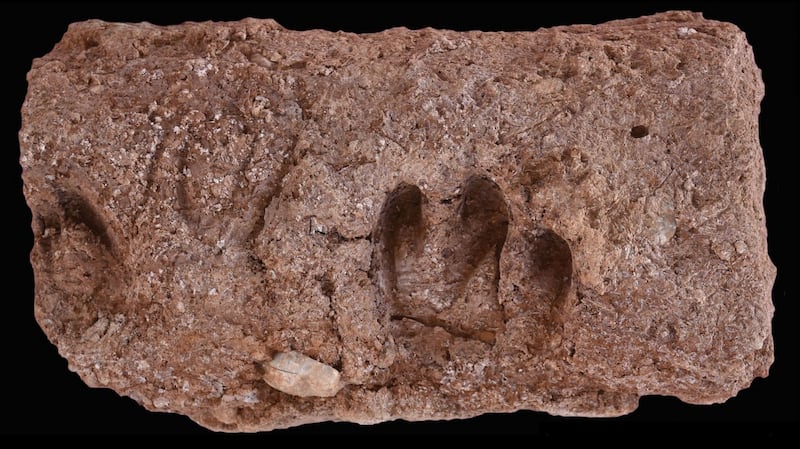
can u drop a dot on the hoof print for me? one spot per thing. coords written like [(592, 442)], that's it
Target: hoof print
[(79, 252), (444, 272)]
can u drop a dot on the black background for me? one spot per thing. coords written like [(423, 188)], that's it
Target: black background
[(42, 396)]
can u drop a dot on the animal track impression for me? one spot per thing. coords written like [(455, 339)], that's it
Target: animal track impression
[(80, 251), (438, 264)]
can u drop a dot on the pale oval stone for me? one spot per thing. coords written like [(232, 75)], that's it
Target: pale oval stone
[(299, 375)]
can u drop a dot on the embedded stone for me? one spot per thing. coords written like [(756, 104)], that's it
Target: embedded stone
[(299, 375)]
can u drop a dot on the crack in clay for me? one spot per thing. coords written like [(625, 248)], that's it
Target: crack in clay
[(264, 200), (487, 337)]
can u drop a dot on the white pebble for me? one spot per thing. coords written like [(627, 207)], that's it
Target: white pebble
[(299, 375)]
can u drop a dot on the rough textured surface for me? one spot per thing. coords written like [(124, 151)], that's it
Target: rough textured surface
[(449, 223)]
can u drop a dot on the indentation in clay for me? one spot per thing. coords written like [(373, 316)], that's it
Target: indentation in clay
[(444, 274)]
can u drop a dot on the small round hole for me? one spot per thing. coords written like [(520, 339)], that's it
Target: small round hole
[(639, 131)]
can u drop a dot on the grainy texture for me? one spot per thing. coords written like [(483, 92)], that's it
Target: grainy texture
[(449, 223)]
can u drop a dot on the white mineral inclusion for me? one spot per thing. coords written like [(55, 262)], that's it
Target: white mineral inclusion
[(299, 375), (665, 228)]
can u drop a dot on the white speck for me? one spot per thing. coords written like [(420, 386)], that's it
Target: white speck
[(723, 250), (176, 129), (250, 397), (221, 243), (665, 227), (212, 292), (686, 31), (203, 70), (161, 402)]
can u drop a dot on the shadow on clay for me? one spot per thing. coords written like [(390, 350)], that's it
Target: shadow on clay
[(447, 275), (79, 251), (461, 277)]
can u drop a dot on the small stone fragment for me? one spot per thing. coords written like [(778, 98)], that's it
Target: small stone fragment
[(296, 374)]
